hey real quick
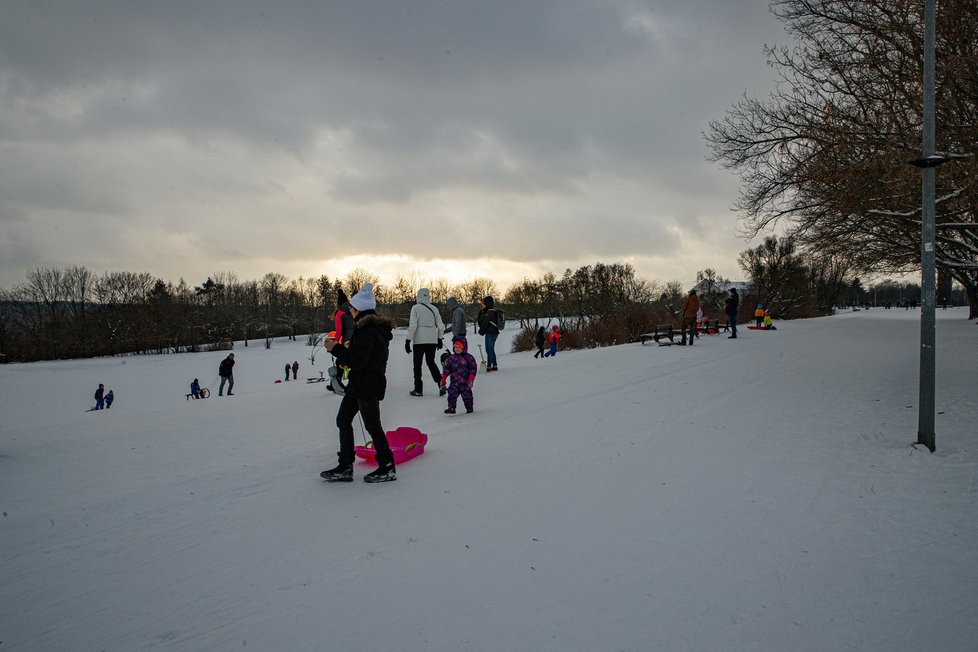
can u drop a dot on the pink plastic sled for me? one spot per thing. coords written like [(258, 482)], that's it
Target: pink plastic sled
[(406, 442)]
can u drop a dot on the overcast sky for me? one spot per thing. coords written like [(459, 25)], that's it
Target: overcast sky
[(449, 138)]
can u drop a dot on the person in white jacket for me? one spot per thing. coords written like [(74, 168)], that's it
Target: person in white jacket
[(425, 330)]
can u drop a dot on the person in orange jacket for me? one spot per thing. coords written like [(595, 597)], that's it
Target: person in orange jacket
[(759, 315), (554, 338)]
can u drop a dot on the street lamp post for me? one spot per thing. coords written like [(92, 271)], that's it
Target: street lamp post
[(928, 354)]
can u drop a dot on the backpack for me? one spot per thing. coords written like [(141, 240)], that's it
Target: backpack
[(500, 318)]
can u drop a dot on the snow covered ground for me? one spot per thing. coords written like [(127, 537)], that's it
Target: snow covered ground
[(757, 494)]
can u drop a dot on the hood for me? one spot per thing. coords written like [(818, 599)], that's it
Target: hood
[(487, 302), (465, 343), (452, 303), (424, 295)]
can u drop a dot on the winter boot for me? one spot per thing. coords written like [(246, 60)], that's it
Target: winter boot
[(416, 392), (341, 473), (450, 411), (385, 473), (468, 410)]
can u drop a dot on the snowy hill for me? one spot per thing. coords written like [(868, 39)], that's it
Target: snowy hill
[(757, 494)]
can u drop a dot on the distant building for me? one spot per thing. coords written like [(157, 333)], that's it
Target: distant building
[(707, 286)]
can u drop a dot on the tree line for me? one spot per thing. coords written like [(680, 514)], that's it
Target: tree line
[(73, 312)]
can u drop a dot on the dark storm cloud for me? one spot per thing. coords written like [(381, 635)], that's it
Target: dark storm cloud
[(373, 113)]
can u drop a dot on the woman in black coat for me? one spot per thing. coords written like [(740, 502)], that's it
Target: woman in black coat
[(731, 307), (366, 358)]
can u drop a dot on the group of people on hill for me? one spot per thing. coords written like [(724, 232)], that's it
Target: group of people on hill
[(693, 317), (103, 400), (294, 369), (360, 343)]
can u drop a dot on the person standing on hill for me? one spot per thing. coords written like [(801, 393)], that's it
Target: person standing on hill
[(554, 339), (295, 370), (691, 306), (343, 327), (540, 340), (343, 322), (425, 328), (366, 356), (731, 307), (488, 322), (226, 374), (461, 368), (100, 397), (456, 325)]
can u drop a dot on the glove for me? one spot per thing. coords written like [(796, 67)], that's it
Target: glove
[(440, 343), (407, 345), (471, 380)]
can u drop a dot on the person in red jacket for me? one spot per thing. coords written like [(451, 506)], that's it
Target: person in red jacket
[(554, 338)]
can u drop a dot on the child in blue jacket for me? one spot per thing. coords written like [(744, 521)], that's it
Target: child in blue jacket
[(461, 367)]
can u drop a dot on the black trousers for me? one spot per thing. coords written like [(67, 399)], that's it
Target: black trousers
[(426, 351), (369, 410)]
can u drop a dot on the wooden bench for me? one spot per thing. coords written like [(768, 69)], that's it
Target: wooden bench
[(725, 327), (661, 332)]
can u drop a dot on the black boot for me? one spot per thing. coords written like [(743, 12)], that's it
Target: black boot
[(341, 473), (384, 473), (450, 410), (416, 392)]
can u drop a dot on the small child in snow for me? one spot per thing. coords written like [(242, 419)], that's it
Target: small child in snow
[(768, 322), (108, 399), (759, 315), (461, 367), (540, 340), (195, 389), (288, 370), (554, 338)]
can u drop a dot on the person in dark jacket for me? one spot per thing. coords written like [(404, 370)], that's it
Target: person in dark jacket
[(488, 321), (109, 398), (456, 324), (366, 358), (731, 307), (540, 341), (295, 370), (226, 374), (100, 397)]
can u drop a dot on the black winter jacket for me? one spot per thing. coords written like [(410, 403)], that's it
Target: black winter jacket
[(488, 320), (225, 369), (367, 356), (732, 304)]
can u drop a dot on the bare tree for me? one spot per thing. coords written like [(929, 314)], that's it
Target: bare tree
[(826, 153)]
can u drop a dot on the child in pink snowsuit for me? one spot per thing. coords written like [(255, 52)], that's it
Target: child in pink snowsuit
[(461, 367)]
